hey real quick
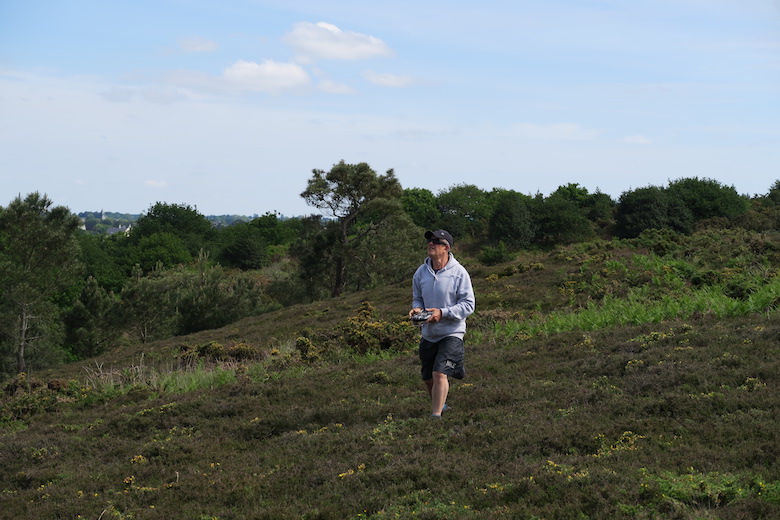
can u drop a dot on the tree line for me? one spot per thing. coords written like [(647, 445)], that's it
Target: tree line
[(66, 294)]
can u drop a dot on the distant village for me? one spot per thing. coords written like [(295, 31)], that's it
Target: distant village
[(110, 223), (107, 223)]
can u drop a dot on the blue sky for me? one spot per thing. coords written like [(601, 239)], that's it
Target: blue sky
[(229, 105)]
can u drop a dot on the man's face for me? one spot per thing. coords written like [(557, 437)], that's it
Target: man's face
[(436, 247)]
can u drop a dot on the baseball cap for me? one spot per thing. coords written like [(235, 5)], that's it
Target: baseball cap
[(439, 233)]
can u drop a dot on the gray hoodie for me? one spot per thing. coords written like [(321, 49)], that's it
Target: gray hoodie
[(448, 289)]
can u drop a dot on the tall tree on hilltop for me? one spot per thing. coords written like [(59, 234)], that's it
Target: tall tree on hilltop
[(38, 258), (360, 201)]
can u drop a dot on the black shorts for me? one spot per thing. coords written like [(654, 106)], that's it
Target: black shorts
[(445, 356)]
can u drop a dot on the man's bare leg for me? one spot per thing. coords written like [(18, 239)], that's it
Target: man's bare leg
[(438, 388)]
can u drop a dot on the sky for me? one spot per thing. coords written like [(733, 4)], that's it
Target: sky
[(227, 106)]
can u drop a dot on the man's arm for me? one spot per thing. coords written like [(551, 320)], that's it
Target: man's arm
[(464, 300)]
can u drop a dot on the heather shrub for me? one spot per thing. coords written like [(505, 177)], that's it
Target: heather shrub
[(214, 351), (361, 334)]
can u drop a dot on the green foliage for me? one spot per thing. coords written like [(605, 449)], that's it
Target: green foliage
[(250, 245), (361, 334), (710, 490), (511, 221), (464, 211), (559, 220), (365, 333), (495, 255), (38, 260), (163, 248), (208, 297), (243, 246), (190, 299), (360, 201), (390, 256), (29, 396), (678, 207), (315, 254), (708, 198), (100, 222), (651, 208), (420, 205), (148, 305), (192, 230), (307, 350), (93, 324), (343, 191), (214, 351), (99, 255), (773, 196)]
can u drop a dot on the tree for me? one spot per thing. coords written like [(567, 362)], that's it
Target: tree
[(314, 254), (252, 245), (600, 209), (465, 210), (38, 258), (350, 193), (93, 323), (650, 208), (420, 205), (597, 207), (393, 257), (100, 255), (163, 248), (149, 304), (560, 220), (708, 198), (511, 221), (243, 246), (208, 297), (773, 196), (181, 220)]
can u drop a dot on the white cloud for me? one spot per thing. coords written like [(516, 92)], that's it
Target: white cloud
[(324, 40), (388, 80), (637, 139), (156, 184), (331, 87), (197, 44), (268, 76)]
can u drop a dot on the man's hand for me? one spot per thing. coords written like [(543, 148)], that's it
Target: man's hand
[(435, 317), (414, 311)]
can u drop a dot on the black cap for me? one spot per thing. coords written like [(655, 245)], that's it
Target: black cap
[(439, 233)]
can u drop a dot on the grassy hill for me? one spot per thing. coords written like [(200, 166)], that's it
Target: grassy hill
[(605, 380)]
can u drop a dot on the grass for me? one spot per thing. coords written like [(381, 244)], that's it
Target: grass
[(629, 404)]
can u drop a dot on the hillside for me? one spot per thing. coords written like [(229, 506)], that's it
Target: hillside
[(633, 379)]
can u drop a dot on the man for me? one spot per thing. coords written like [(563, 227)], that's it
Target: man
[(443, 286)]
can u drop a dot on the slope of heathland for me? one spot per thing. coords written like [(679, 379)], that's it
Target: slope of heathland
[(624, 379)]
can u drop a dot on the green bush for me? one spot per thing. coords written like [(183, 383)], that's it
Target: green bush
[(495, 255)]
